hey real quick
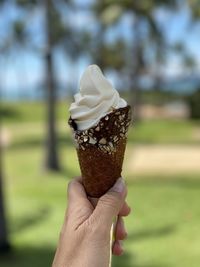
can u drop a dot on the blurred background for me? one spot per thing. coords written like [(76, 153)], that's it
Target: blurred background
[(150, 51)]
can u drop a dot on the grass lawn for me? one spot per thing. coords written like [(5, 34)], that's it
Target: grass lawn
[(163, 227), (24, 119)]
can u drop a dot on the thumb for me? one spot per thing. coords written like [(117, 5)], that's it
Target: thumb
[(110, 204)]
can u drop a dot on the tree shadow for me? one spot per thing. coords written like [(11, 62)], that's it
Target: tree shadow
[(122, 261), (42, 256), (9, 112), (159, 232), (128, 260), (29, 220), (28, 257), (35, 141)]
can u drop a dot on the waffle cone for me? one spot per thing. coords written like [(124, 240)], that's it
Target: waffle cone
[(101, 149), (100, 170)]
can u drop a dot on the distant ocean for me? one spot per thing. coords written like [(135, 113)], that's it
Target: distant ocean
[(32, 94)]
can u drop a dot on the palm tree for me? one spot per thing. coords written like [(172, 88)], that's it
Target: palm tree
[(55, 33), (51, 144), (58, 34), (142, 12), (4, 243)]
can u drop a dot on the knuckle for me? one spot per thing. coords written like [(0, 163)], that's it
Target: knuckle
[(109, 200), (71, 184)]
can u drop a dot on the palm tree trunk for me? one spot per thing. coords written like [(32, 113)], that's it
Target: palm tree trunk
[(98, 56), (51, 144), (4, 244), (135, 91)]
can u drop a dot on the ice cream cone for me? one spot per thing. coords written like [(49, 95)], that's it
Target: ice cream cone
[(100, 150)]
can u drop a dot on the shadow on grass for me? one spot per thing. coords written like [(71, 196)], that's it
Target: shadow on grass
[(159, 232), (122, 261), (38, 141), (9, 112), (128, 260), (29, 220), (43, 257), (28, 257)]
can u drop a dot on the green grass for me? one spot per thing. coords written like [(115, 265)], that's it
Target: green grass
[(31, 111), (27, 119), (163, 227), (165, 132)]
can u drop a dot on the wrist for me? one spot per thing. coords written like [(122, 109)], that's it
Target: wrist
[(84, 250), (94, 250)]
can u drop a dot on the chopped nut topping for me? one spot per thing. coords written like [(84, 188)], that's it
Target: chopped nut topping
[(111, 144), (107, 133), (92, 141), (102, 141), (115, 138), (85, 138)]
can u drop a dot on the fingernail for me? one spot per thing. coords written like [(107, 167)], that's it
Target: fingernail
[(125, 234), (121, 244), (119, 185), (123, 227)]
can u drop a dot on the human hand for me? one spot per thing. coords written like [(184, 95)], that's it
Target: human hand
[(85, 235)]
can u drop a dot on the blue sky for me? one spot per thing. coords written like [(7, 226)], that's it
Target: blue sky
[(25, 69)]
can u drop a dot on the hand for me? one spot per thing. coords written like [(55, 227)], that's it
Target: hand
[(85, 235)]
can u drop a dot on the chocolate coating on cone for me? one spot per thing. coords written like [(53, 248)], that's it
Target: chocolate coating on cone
[(101, 150)]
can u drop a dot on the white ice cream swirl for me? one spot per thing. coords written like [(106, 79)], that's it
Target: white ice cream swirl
[(96, 98)]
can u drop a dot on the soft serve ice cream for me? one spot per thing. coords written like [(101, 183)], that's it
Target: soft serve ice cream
[(96, 98)]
